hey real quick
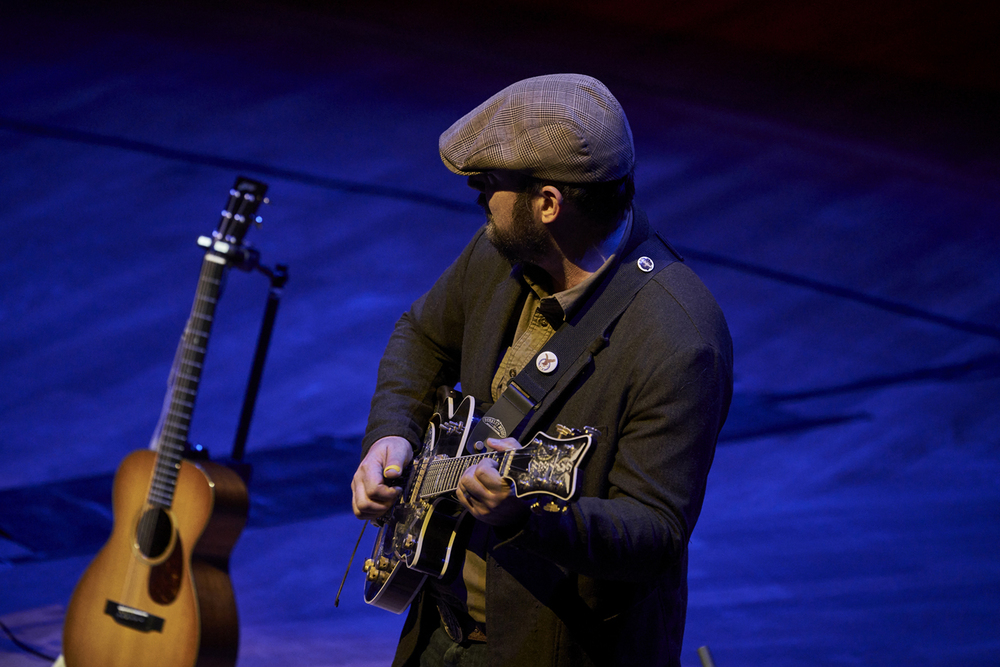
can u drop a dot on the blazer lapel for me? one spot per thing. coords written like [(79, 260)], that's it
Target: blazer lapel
[(493, 329)]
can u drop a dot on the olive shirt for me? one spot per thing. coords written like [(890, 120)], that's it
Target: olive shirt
[(604, 583)]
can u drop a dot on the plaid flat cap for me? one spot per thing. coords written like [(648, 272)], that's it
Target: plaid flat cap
[(563, 127)]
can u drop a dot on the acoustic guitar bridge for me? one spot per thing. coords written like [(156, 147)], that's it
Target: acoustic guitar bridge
[(133, 618)]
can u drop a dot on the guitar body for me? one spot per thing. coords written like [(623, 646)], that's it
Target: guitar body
[(431, 532), (171, 604)]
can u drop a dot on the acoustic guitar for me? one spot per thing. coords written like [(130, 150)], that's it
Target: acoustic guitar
[(158, 593)]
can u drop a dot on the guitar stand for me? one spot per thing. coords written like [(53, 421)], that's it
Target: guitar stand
[(278, 277), (247, 258)]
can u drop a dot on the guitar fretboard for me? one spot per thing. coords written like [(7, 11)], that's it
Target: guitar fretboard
[(173, 435), (442, 475)]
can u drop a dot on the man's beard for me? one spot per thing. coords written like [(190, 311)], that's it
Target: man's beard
[(526, 240)]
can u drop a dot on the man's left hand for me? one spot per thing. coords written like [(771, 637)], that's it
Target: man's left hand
[(488, 496)]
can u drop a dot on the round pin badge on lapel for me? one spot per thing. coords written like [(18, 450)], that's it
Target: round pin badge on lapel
[(645, 264), (546, 362)]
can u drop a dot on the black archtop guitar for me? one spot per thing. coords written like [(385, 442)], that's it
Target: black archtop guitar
[(418, 537)]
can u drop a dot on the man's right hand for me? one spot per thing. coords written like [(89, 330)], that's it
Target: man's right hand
[(386, 460)]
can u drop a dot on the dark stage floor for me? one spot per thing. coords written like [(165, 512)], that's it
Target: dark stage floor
[(847, 221)]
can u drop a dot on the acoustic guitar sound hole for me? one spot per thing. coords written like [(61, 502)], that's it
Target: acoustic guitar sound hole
[(155, 529)]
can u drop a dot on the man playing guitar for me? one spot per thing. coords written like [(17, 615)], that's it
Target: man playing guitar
[(605, 581)]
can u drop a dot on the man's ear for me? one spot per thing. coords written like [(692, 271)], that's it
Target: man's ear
[(550, 204)]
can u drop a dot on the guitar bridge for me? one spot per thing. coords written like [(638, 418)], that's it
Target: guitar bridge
[(136, 619)]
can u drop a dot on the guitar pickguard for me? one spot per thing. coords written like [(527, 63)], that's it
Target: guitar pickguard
[(165, 579)]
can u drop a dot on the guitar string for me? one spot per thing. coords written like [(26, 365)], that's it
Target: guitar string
[(186, 356), (444, 474), (146, 523), (156, 443)]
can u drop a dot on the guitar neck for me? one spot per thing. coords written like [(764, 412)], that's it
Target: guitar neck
[(173, 435), (442, 475)]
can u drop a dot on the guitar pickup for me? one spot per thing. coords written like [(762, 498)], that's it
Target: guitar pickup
[(135, 619)]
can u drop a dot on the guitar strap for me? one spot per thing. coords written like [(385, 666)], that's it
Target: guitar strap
[(574, 344)]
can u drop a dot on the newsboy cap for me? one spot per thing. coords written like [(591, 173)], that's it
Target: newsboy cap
[(563, 127)]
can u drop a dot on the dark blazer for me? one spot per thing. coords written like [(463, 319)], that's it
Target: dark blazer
[(604, 583)]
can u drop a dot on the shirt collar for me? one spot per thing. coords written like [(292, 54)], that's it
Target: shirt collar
[(563, 305)]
